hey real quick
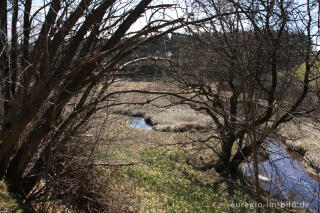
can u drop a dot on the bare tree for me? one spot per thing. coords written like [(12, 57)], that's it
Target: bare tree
[(242, 70), (59, 52)]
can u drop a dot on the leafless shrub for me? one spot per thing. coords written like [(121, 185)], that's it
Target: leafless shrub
[(76, 177)]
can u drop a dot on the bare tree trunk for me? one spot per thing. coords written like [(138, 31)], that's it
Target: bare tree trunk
[(4, 60), (14, 48), (223, 165)]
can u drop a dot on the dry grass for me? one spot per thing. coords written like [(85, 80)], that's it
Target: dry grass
[(304, 134), (301, 133), (161, 113)]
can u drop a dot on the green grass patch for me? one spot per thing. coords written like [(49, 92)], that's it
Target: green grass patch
[(168, 185)]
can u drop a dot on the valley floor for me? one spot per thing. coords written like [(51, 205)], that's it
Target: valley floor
[(162, 179)]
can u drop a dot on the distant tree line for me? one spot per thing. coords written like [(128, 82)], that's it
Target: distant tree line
[(292, 51)]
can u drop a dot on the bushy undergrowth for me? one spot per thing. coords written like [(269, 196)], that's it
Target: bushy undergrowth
[(77, 178)]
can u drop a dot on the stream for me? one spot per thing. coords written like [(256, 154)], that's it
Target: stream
[(139, 122), (286, 179), (282, 175)]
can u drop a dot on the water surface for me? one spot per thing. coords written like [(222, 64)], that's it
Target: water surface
[(139, 122), (286, 179)]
